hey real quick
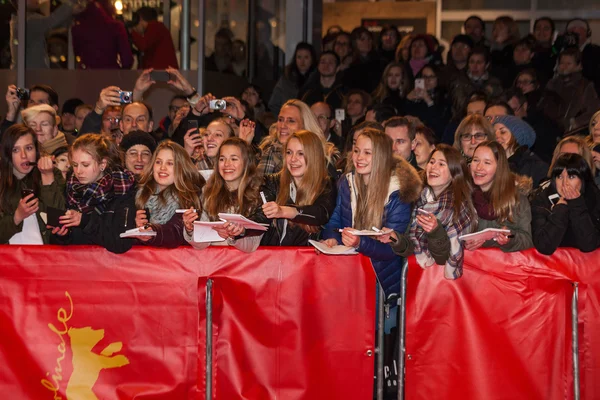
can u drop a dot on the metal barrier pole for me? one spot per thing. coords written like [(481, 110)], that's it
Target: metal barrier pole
[(380, 346), (70, 52), (402, 331), (22, 42), (200, 40), (184, 41), (209, 316), (575, 342)]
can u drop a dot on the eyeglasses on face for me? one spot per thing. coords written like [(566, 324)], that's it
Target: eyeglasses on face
[(467, 137)]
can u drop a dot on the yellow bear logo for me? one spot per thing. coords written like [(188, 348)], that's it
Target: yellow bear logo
[(87, 364)]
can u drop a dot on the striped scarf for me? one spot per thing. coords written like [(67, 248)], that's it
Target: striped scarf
[(443, 209), (95, 196)]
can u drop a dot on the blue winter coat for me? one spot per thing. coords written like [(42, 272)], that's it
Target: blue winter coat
[(397, 213)]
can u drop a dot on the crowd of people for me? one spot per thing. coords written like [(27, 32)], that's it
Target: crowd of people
[(359, 140)]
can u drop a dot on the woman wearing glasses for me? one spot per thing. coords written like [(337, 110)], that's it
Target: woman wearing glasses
[(138, 147), (473, 130)]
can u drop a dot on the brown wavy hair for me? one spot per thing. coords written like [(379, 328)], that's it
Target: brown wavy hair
[(460, 185), (217, 198), (186, 187)]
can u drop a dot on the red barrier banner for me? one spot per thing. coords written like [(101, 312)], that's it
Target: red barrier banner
[(82, 323), (503, 331)]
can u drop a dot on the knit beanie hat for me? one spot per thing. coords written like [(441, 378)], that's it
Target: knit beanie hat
[(466, 39), (521, 130), (138, 137)]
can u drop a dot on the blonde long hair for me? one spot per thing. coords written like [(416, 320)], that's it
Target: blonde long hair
[(590, 138), (372, 198), (309, 123), (382, 91), (217, 198), (584, 147), (186, 187), (315, 178)]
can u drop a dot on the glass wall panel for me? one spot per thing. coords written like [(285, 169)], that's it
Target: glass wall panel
[(487, 4)]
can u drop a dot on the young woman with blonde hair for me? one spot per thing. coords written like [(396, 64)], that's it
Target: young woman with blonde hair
[(500, 198), (234, 189), (377, 192), (301, 197), (577, 145), (172, 183), (295, 115), (395, 84)]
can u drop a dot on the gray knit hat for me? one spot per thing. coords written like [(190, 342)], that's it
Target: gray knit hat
[(521, 130)]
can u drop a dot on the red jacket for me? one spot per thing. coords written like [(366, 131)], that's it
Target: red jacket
[(157, 46)]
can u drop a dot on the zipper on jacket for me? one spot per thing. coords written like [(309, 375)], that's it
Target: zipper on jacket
[(126, 214)]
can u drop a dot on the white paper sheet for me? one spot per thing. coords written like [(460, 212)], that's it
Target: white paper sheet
[(338, 250), (204, 232)]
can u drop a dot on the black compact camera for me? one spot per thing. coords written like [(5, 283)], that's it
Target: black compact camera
[(126, 97), (23, 94)]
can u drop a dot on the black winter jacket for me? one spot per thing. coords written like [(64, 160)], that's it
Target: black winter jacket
[(316, 214), (576, 224)]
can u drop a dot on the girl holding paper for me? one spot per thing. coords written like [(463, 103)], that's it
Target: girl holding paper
[(232, 189), (378, 192), (100, 197), (300, 198), (172, 183), (500, 198), (443, 212), (25, 190)]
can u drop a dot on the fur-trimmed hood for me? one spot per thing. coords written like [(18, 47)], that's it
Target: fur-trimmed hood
[(524, 184), (407, 181)]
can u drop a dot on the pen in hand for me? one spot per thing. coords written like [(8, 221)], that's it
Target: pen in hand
[(391, 237)]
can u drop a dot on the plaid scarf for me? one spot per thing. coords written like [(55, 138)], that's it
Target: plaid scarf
[(95, 196), (443, 209), (271, 161)]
